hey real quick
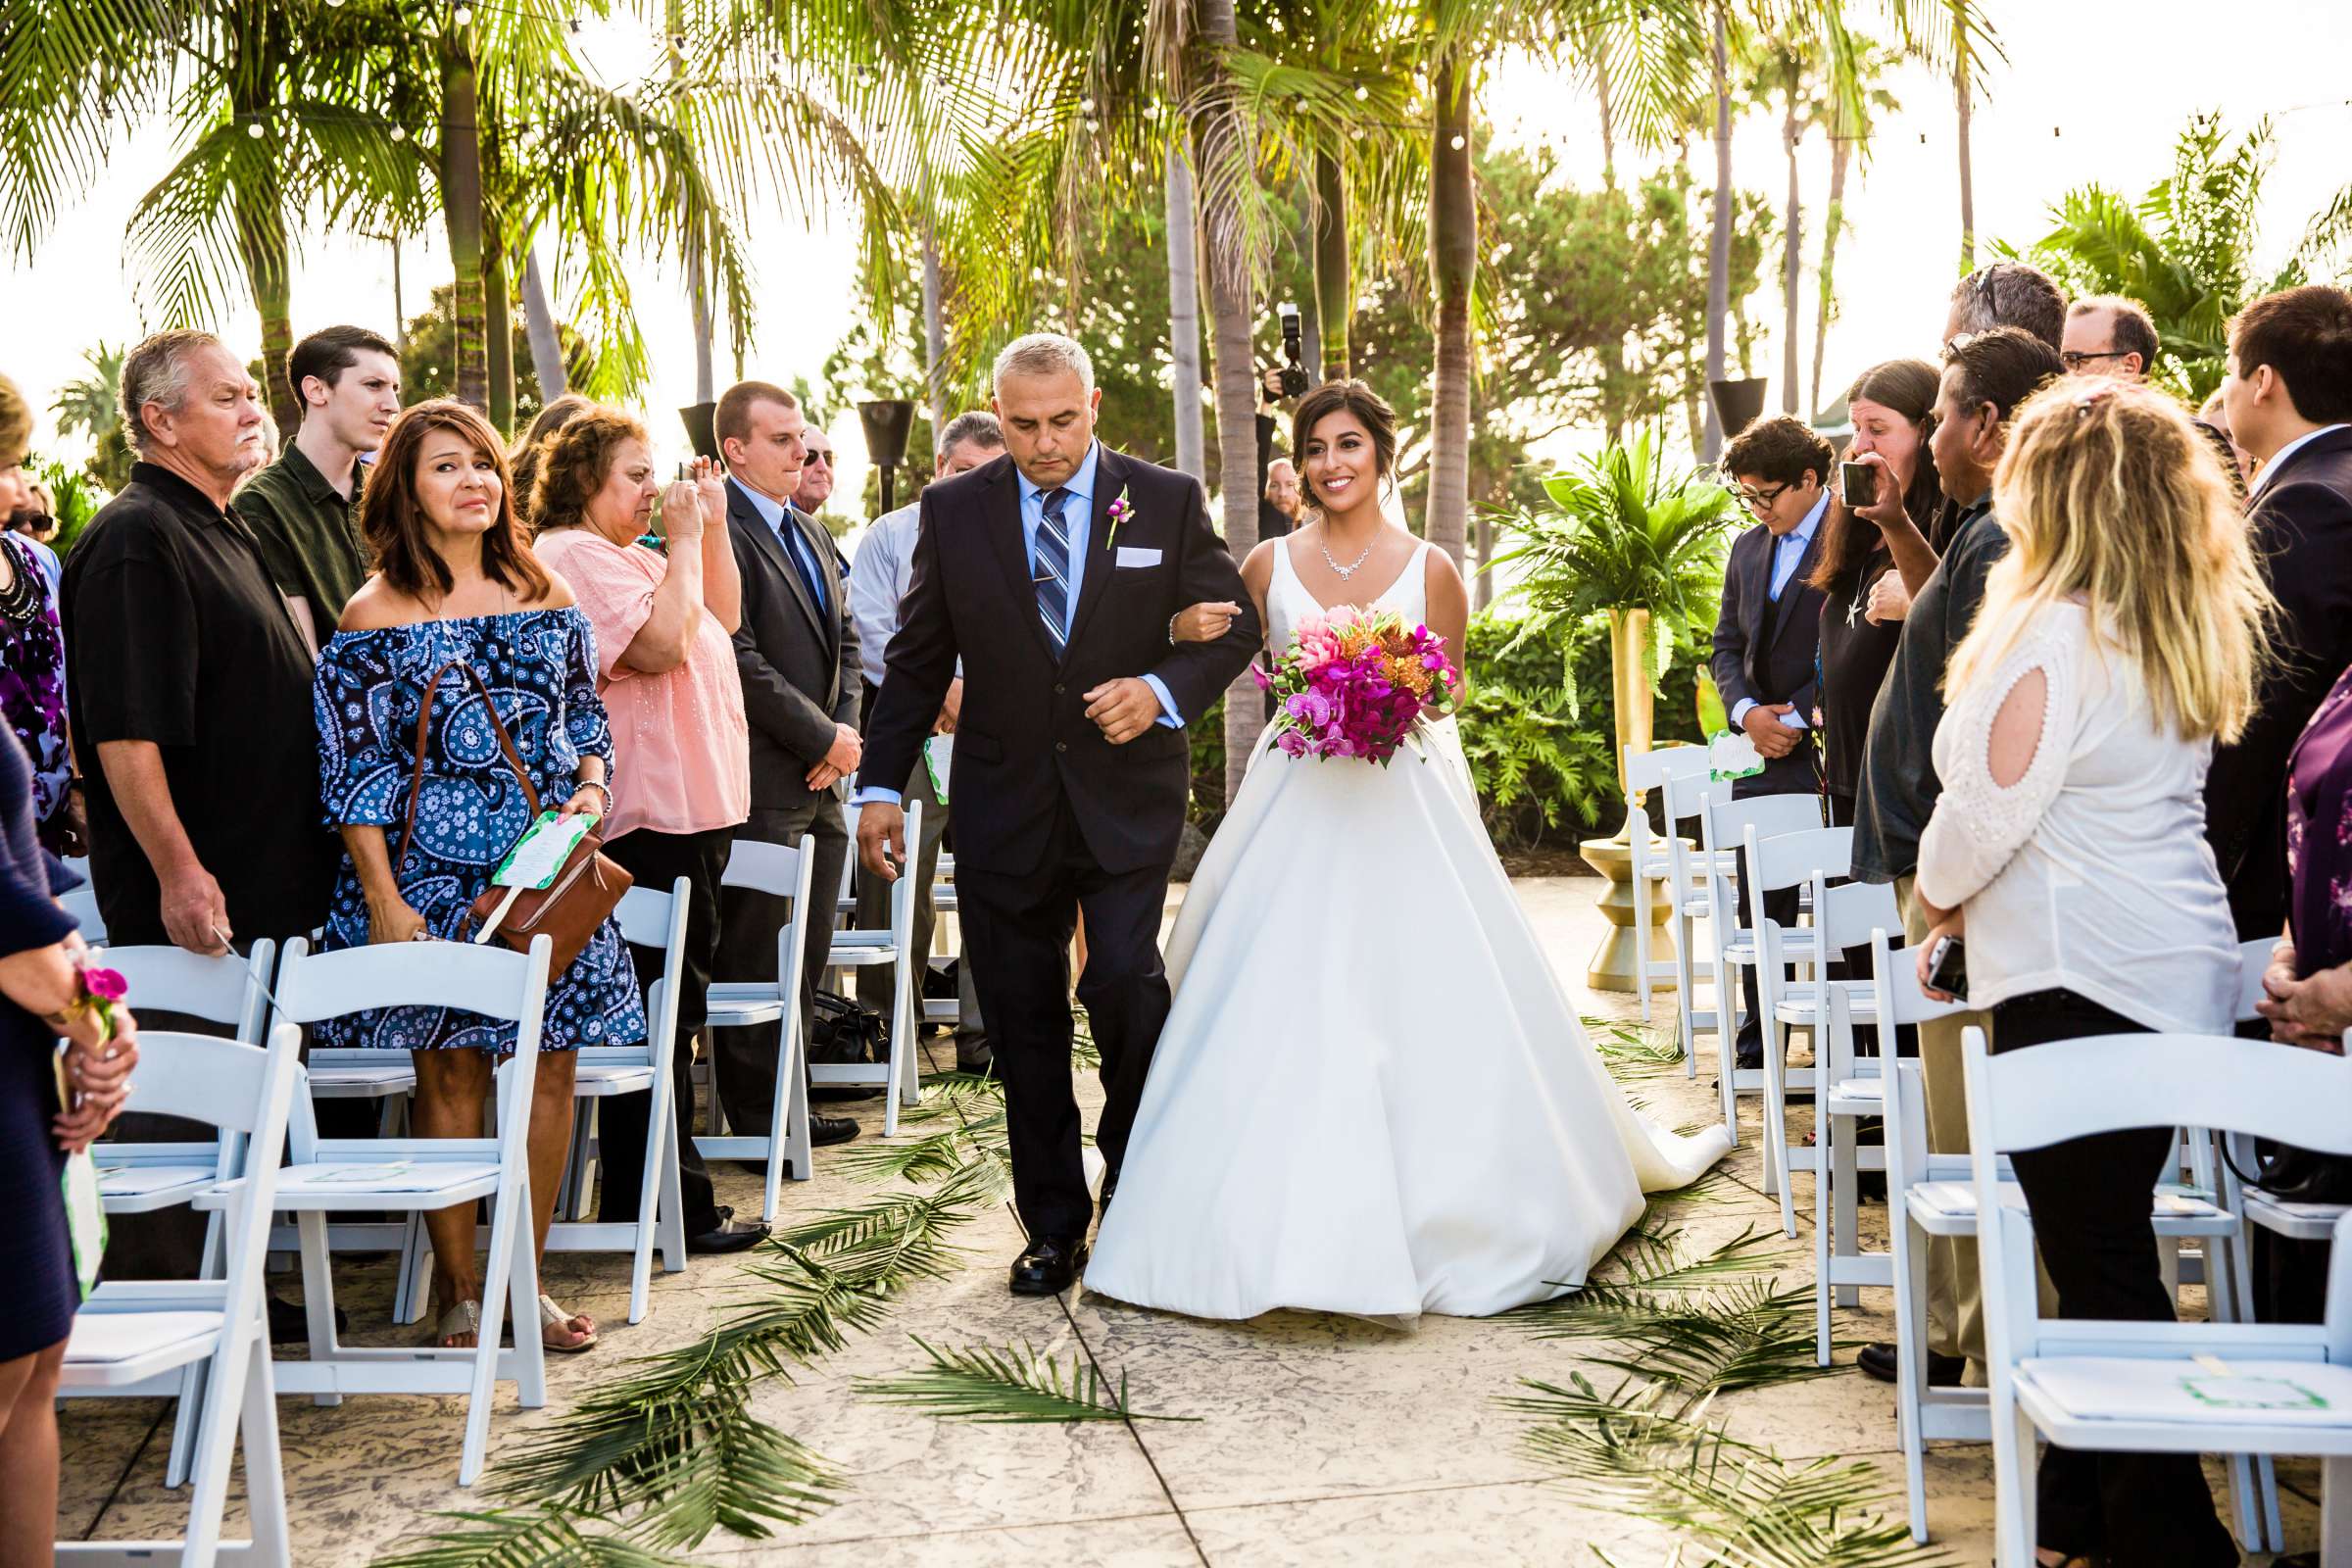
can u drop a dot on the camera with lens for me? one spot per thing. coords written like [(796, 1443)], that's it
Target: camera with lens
[(1294, 351)]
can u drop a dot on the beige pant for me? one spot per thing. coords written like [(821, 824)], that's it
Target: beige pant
[(1955, 1298)]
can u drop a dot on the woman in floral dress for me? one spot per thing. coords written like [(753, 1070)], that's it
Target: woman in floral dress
[(460, 604)]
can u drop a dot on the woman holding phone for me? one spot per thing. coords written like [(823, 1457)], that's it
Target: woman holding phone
[(1888, 407)]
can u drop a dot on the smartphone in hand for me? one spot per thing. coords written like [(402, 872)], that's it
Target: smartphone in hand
[(1857, 485)]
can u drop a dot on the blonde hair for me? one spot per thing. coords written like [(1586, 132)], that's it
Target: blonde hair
[(2109, 494)]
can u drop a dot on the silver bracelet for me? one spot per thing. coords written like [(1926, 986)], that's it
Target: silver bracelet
[(1172, 620), (601, 788)]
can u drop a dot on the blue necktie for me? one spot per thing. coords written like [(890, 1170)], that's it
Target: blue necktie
[(1050, 570), (796, 547)]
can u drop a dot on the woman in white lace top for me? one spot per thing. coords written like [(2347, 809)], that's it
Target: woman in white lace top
[(2117, 643)]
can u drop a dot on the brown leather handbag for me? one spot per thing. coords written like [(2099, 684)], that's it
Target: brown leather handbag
[(569, 910)]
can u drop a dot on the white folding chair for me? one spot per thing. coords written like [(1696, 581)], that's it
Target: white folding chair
[(1806, 860), (1648, 862), (416, 1175), (943, 903), (654, 917), (1682, 799), (902, 1075), (784, 872), (136, 1338), (2239, 1388), (1934, 1194), (1724, 827), (82, 904), (144, 1178)]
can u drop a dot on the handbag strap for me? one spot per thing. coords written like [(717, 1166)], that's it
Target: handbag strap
[(424, 723)]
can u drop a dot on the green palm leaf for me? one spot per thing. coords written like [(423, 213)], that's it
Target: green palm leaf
[(502, 1538), (938, 1154), (1015, 1384), (1646, 1265), (1633, 1052)]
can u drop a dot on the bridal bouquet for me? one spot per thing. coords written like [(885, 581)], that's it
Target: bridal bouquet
[(1356, 684)]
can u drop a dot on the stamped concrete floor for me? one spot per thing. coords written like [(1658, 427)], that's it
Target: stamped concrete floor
[(1317, 1440)]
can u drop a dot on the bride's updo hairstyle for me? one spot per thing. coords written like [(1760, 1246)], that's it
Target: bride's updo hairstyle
[(1371, 411)]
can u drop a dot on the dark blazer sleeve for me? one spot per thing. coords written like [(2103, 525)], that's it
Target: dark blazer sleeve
[(1729, 662), (772, 704), (2304, 533), (921, 663), (1196, 674)]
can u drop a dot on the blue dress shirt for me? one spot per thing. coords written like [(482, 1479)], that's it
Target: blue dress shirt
[(796, 544), (1077, 521)]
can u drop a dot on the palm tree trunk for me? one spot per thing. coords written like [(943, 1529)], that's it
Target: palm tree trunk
[(1719, 240), (1335, 294), (539, 323), (1792, 258), (1232, 313), (1840, 157), (1184, 315), (1608, 114), (497, 323), (1453, 257), (461, 212), (1960, 95), (262, 244), (698, 269), (935, 337)]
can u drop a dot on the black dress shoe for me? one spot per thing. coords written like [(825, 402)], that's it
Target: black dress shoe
[(1880, 1361), (1050, 1266), (289, 1324), (729, 1235), (973, 1055), (823, 1130)]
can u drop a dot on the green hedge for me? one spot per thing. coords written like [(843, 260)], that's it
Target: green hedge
[(1540, 753)]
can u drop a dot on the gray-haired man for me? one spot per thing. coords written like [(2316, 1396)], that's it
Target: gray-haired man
[(877, 581)]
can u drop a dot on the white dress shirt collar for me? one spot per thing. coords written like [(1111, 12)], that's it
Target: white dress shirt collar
[(2278, 458)]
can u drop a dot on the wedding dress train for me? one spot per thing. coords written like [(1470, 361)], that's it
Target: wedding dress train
[(1371, 1094)]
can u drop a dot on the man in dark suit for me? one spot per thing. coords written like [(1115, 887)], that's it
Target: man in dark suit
[(1769, 631), (1054, 572), (796, 651), (2289, 401), (2288, 397)]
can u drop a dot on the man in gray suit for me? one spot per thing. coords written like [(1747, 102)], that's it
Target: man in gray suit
[(797, 651)]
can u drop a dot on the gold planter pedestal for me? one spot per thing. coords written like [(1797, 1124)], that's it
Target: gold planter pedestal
[(1615, 962)]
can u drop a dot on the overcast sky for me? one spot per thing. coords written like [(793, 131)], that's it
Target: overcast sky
[(2113, 83)]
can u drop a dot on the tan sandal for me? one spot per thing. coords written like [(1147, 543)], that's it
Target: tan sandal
[(463, 1317), (552, 1316)]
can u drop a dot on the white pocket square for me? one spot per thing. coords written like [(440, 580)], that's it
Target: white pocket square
[(1136, 556)]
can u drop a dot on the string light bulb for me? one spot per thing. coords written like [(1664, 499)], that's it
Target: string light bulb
[(1362, 92), (400, 133), (463, 16), (1458, 144)]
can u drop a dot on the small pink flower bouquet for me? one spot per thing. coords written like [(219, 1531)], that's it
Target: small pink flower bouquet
[(1356, 684)]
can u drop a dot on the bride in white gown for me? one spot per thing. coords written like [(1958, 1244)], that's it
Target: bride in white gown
[(1371, 1094)]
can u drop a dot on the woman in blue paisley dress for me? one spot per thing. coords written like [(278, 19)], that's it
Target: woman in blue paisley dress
[(455, 580)]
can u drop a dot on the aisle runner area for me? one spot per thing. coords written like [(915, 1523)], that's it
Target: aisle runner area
[(821, 1391)]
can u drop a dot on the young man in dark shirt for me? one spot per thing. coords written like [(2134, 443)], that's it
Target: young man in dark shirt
[(304, 508), (1986, 376)]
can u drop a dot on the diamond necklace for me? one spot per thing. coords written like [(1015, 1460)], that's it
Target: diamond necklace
[(1354, 566)]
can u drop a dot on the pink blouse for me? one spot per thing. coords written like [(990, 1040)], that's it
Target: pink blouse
[(681, 749)]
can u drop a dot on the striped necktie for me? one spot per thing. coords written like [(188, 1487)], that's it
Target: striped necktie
[(1050, 570)]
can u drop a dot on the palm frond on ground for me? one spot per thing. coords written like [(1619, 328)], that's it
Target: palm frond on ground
[(531, 1538), (1015, 1384), (938, 1154), (1649, 1262), (950, 1096), (1740, 1504), (1749, 1334), (1714, 1185), (1633, 1050)]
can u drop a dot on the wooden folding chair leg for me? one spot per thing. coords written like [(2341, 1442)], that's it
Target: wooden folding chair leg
[(317, 1292), (264, 1468)]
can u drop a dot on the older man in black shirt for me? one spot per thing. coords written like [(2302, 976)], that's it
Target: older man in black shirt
[(189, 690), (189, 685)]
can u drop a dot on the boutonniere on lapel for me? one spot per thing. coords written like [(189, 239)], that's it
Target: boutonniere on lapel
[(1118, 511)]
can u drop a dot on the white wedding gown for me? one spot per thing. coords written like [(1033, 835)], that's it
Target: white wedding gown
[(1372, 1095)]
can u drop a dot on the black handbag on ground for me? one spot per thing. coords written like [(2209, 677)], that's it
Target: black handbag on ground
[(845, 1032)]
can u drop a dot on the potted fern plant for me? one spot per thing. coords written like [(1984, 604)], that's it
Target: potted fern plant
[(1626, 538)]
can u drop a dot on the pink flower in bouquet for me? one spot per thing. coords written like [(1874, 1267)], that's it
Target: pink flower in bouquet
[(105, 985), (1356, 684)]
